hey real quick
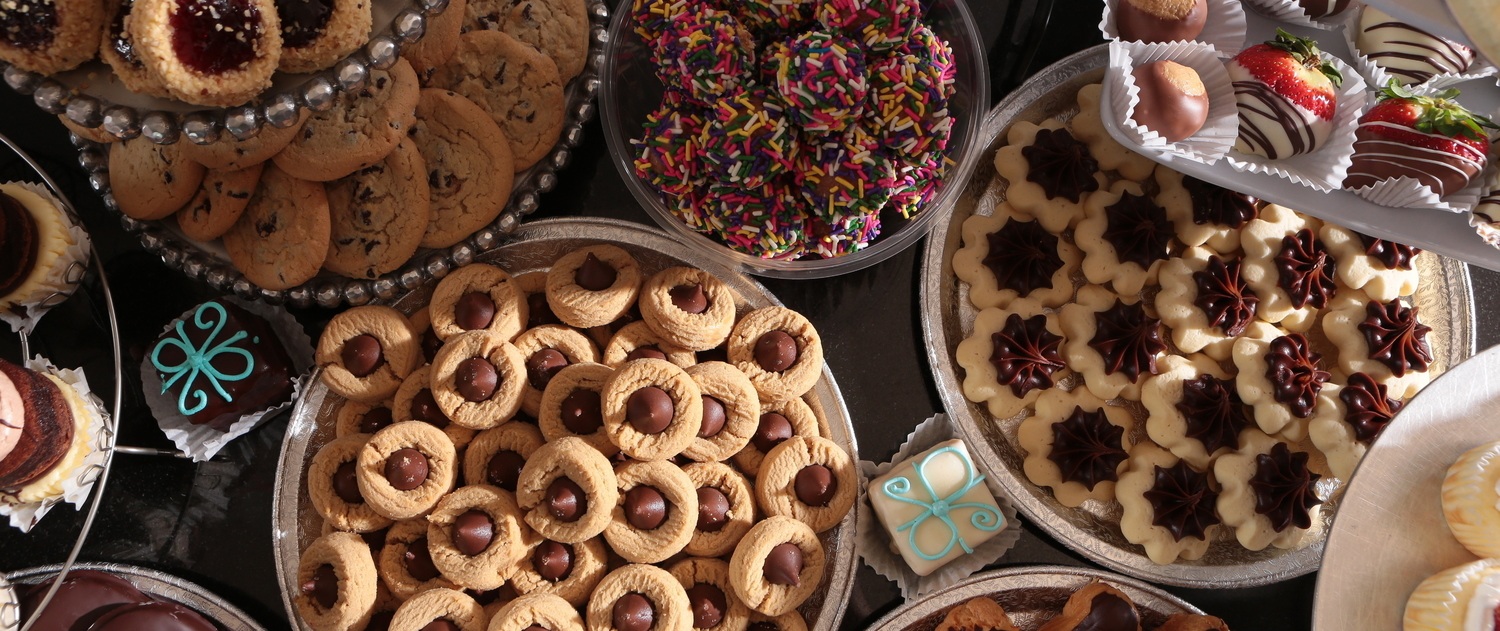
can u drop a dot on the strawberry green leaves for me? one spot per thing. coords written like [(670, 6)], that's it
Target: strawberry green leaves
[(1305, 52), (1439, 113)]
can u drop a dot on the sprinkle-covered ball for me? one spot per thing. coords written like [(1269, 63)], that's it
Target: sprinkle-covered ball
[(763, 221), (747, 141), (667, 154), (908, 112), (928, 46), (880, 25), (849, 233), (707, 54), (772, 17), (821, 76), (845, 174), (652, 17)]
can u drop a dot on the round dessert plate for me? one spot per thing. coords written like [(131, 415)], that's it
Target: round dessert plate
[(1390, 533), (209, 263), (1093, 529), (157, 583), (534, 247), (1032, 596)]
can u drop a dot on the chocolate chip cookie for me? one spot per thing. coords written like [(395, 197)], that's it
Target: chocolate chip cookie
[(378, 214), (517, 84), (219, 202), (469, 165), (361, 128), (282, 237), (151, 181)]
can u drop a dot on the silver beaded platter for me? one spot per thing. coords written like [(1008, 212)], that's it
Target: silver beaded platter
[(1031, 596), (1391, 532), (533, 247), (156, 583), (91, 96), (207, 261), (1444, 297)]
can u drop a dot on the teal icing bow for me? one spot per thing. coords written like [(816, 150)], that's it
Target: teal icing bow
[(985, 517), (200, 361)]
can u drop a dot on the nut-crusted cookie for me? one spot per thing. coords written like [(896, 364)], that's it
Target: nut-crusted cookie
[(366, 352), (282, 237), (1206, 302), (230, 154), (652, 409), (524, 96), (1194, 410), (117, 50), (337, 581), (568, 491), (1288, 267), (779, 350), (1125, 237), (1076, 445), (637, 593), (573, 405), (477, 297), (414, 401), (593, 286), (809, 479), (537, 610), (1088, 126), (1013, 355), (476, 536), (406, 468), (361, 128), (1168, 505), (208, 53), (1005, 258), (657, 512), (1113, 342), (477, 379), (439, 41), (731, 412), (469, 165), (50, 37), (688, 307), (1280, 377), (777, 565), (151, 181), (638, 340), (1385, 340), (361, 418), (567, 571), (496, 455), (1385, 270), (333, 485), (726, 508), (548, 349), (777, 423), (406, 566), (315, 35), (219, 202), (1050, 173), (429, 609), (377, 215), (711, 597)]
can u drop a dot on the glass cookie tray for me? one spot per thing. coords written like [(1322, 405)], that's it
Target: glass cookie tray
[(534, 247), (208, 262), (157, 583), (1092, 529), (91, 96), (1031, 596)]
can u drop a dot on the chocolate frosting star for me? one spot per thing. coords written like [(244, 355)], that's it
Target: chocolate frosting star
[(1306, 270), (1129, 340), (1182, 502), (1368, 409), (1087, 448), (1023, 256), (1138, 229), (1225, 297), (1061, 165), (1296, 379), (1025, 354), (1284, 488), (1214, 204), (1214, 413), (1394, 256), (1397, 339)]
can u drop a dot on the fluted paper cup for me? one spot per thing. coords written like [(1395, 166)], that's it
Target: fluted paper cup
[(1224, 29), (1218, 134)]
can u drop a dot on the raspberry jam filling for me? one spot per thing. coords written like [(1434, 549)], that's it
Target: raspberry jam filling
[(28, 24), (302, 21), (216, 36)]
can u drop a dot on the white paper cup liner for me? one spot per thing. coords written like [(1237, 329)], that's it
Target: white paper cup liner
[(64, 276), (1218, 134), (1325, 168), (1377, 77), (10, 607), (1224, 29), (1292, 13), (1485, 218), (201, 442), (77, 485), (1407, 192), (874, 542)]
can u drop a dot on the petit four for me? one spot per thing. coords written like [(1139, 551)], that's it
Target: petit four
[(1160, 21), (936, 507), (221, 363), (1470, 500), (1285, 90), (1173, 100)]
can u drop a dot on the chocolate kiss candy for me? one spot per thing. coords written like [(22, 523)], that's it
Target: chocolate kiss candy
[(774, 428), (536, 627), (323, 586), (708, 604), (504, 469), (650, 410), (375, 420), (580, 412), (476, 379), (425, 409), (649, 351), (815, 485), (406, 469), (645, 508), (474, 310), (689, 298), (542, 365), (473, 531), (634, 612), (362, 355), (713, 418), (380, 621), (713, 509), (539, 311), (346, 485), (784, 565), (775, 351), (552, 560), (418, 561), (764, 625), (594, 274), (566, 500)]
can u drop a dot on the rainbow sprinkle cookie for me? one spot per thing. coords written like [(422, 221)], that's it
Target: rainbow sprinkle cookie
[(707, 54), (909, 113), (774, 16), (748, 141), (845, 174), (652, 17), (850, 233), (762, 221), (928, 46), (667, 152), (881, 25), (821, 76)]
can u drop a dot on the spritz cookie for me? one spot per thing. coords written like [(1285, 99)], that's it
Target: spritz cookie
[(1088, 126), (1206, 302), (1005, 258), (1013, 355), (1050, 173), (1204, 214), (1076, 445), (1194, 409), (1169, 505), (1384, 270), (1269, 496), (1362, 410), (1112, 341), (1385, 340), (1125, 237), (1288, 268), (1280, 377)]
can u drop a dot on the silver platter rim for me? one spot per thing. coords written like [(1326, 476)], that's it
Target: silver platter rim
[(156, 582)]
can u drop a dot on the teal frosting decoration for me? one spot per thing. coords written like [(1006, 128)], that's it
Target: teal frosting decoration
[(199, 360), (985, 517)]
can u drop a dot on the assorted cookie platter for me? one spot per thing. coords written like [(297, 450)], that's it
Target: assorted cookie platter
[(298, 522), (1090, 522), (159, 586)]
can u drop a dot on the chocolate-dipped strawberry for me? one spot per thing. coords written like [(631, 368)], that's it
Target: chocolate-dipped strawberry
[(1431, 139), (1173, 101), (1285, 92), (1408, 54), (1160, 21)]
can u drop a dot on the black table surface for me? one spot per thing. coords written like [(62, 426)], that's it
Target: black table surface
[(211, 522)]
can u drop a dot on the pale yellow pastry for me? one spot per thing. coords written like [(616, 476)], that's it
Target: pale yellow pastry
[(1186, 522), (1006, 258), (1471, 499), (1458, 598), (1027, 342), (1269, 497), (1263, 239)]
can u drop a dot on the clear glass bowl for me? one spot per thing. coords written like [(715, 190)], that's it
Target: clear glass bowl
[(630, 91)]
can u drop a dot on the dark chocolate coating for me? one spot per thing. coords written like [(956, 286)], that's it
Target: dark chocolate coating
[(1135, 23), (269, 381), (1087, 448), (650, 410), (84, 597), (776, 351), (19, 243), (1284, 489), (153, 616), (1182, 502), (594, 274), (1025, 354), (1164, 108), (47, 434)]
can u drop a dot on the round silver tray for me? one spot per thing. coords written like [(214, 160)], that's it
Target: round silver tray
[(1391, 532), (157, 583), (534, 247), (1031, 596), (208, 262), (90, 96), (1092, 530)]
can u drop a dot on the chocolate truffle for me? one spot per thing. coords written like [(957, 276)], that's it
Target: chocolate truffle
[(1160, 21), (1173, 101)]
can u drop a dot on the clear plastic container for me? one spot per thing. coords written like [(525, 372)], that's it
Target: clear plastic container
[(630, 91)]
